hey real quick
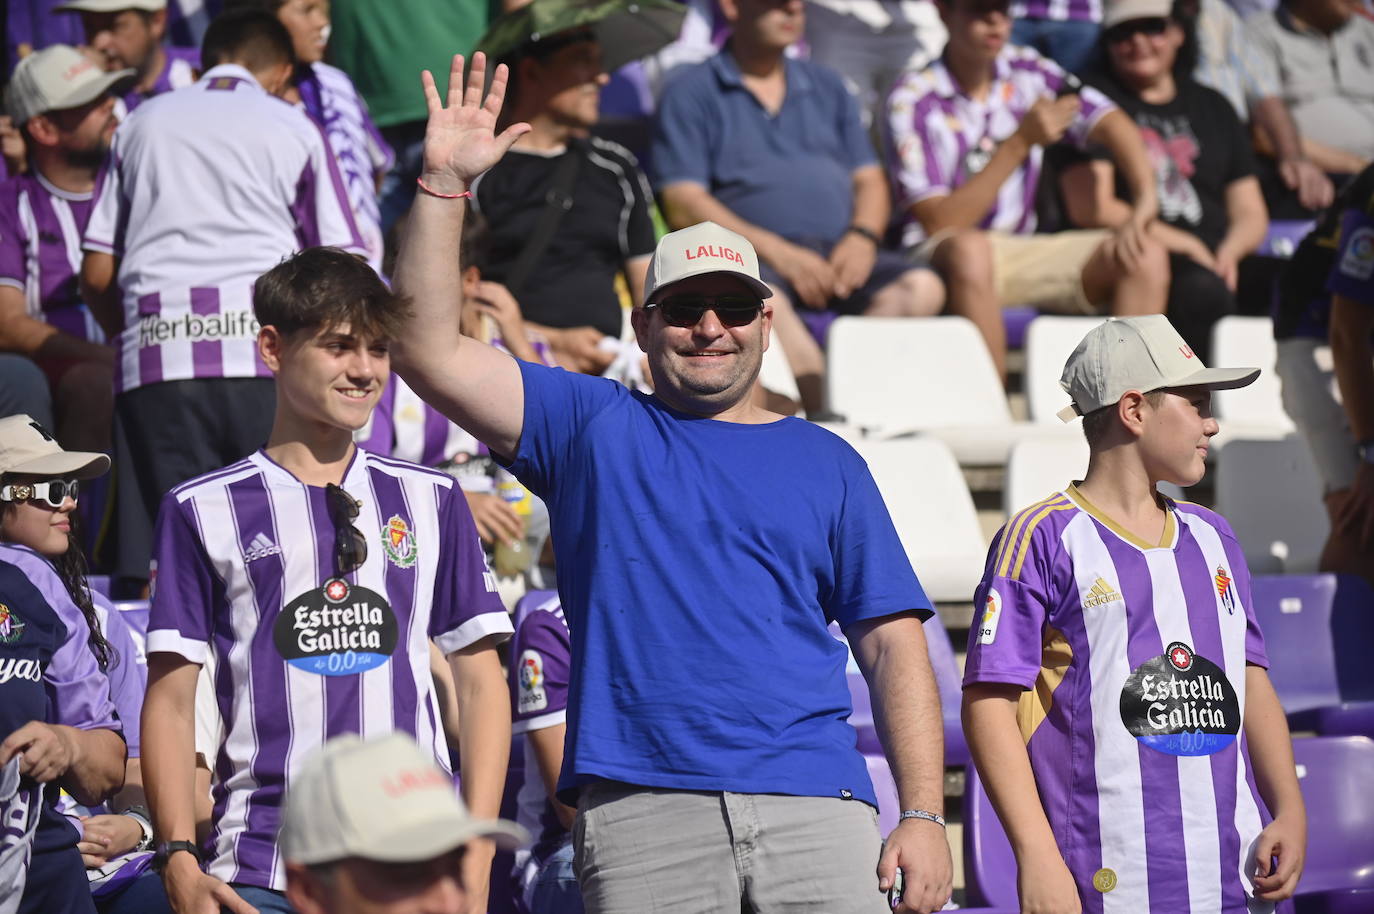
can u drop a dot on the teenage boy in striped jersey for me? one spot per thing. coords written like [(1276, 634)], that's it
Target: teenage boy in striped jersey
[(311, 576), (1115, 694)]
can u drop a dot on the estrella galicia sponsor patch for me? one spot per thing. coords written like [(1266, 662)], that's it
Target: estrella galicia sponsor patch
[(336, 630), (398, 542), (1180, 704), (11, 626)]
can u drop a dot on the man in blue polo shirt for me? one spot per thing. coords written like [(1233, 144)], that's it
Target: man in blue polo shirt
[(774, 148)]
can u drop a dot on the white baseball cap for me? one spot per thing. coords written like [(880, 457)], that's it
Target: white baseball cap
[(1137, 353), (57, 77), (703, 248), (382, 799), (110, 6), (26, 447), (1117, 11)]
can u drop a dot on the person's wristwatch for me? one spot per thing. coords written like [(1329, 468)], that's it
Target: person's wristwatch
[(166, 849), (141, 815)]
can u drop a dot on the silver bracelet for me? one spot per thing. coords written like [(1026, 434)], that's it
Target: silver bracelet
[(922, 814)]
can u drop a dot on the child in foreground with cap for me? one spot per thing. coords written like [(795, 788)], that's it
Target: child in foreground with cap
[(1115, 693)]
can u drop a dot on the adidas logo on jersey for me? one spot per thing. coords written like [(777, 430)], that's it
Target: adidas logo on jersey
[(1101, 594), (260, 548)]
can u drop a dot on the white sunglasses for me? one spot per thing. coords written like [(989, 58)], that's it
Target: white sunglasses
[(54, 492)]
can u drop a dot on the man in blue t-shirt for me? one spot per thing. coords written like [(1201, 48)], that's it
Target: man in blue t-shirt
[(704, 546)]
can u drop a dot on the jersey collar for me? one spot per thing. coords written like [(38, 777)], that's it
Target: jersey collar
[(1167, 540)]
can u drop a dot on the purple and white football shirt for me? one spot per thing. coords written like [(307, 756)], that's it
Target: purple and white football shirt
[(40, 251), (540, 666), (178, 72), (246, 579), (1134, 659), (937, 134), (1058, 10), (207, 188)]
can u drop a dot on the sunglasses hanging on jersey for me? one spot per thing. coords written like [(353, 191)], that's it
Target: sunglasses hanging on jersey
[(350, 546), (688, 310), (52, 493)]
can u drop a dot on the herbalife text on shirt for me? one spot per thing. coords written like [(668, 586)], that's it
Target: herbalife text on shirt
[(154, 329)]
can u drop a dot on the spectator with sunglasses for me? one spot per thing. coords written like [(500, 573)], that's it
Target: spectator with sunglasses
[(1211, 210), (60, 724), (312, 576), (704, 545)]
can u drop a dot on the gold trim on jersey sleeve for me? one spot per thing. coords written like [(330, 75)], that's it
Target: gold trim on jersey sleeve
[(1034, 704), (1012, 532)]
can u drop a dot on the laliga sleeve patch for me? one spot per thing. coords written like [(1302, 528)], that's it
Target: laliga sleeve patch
[(1180, 704), (532, 697), (992, 615), (1357, 261), (336, 630)]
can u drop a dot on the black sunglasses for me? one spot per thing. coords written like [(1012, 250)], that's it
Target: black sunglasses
[(1125, 31), (688, 310), (350, 546), (52, 493)]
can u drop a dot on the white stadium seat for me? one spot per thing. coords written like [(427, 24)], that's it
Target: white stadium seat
[(1040, 466), (1271, 494), (891, 376), (1050, 340), (1255, 411), (934, 514)]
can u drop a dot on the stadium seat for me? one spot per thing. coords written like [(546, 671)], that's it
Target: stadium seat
[(1271, 494), (1039, 467), (1015, 320), (892, 376), (1049, 342), (989, 864), (1318, 630), (1283, 237), (1334, 774), (776, 375), (1255, 411), (934, 514)]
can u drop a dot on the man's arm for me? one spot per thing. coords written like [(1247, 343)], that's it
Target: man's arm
[(474, 385), (39, 340), (1273, 122), (1043, 881), (1352, 353), (892, 653), (483, 752), (547, 745), (1271, 754), (1247, 220), (88, 763), (1118, 133), (100, 291), (854, 254)]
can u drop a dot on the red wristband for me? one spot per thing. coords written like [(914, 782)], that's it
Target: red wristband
[(434, 193)]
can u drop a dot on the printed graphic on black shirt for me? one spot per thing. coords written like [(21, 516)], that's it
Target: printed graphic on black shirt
[(1181, 704), (339, 629), (1173, 149)]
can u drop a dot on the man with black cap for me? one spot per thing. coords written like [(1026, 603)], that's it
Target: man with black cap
[(709, 543)]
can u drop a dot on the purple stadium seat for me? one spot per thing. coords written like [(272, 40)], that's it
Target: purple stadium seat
[(1335, 774), (818, 322), (1283, 237), (1016, 320), (989, 864), (1318, 630)]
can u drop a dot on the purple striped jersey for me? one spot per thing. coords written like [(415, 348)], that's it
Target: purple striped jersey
[(938, 137), (40, 251), (1058, 10), (194, 223), (332, 101), (178, 71), (244, 578), (1133, 655), (540, 666)]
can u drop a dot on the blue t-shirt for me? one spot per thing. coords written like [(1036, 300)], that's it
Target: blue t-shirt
[(699, 563), (791, 173)]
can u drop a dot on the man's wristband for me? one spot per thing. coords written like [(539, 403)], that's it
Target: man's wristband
[(922, 814), (166, 849), (865, 233)]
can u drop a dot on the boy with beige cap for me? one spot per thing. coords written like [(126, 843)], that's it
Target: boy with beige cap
[(1115, 693)]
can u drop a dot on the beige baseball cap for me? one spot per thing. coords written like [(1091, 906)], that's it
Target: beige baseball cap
[(26, 447), (1137, 353), (57, 77), (703, 248), (381, 799), (1117, 11), (110, 6)]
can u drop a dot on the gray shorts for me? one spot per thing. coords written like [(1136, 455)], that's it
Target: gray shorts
[(642, 850)]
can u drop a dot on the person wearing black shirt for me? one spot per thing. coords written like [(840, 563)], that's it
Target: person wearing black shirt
[(1211, 210)]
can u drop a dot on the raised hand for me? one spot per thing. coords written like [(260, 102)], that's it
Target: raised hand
[(460, 139)]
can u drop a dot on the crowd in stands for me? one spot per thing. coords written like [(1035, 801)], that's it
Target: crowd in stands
[(176, 176)]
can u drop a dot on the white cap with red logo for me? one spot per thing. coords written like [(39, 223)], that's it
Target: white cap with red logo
[(382, 799), (699, 249), (1137, 353), (55, 78)]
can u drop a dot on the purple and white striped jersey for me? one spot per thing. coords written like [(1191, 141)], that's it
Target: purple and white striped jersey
[(540, 667), (40, 251), (178, 71), (207, 188), (936, 132), (1057, 10), (1133, 655), (245, 578), (332, 101)]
